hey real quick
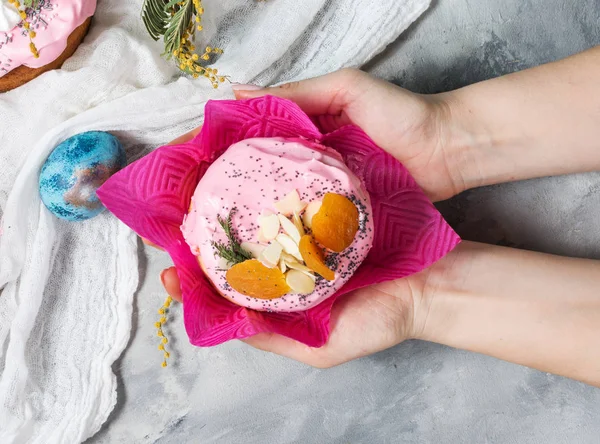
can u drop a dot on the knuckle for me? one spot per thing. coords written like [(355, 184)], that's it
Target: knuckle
[(320, 362), (289, 86), (351, 75), (321, 365)]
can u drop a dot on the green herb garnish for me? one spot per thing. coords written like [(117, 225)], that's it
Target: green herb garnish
[(233, 251), (177, 21)]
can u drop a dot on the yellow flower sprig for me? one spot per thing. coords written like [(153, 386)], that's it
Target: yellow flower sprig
[(177, 22), (162, 321), (190, 62), (27, 26)]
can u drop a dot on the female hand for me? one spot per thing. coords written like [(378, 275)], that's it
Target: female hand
[(546, 315), (414, 129)]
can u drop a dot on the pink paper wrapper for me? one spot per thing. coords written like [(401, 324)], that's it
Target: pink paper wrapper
[(153, 195)]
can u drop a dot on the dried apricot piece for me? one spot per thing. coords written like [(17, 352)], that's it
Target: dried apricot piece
[(313, 257), (336, 222), (252, 278)]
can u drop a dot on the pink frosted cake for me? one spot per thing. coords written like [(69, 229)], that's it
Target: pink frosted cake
[(279, 225), (38, 35)]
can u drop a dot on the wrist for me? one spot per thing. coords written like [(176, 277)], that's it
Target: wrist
[(544, 316), (476, 150), (432, 311)]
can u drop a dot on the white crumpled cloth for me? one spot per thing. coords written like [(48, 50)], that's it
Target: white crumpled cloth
[(67, 288)]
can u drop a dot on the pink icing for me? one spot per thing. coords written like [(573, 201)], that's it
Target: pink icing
[(250, 176), (61, 17)]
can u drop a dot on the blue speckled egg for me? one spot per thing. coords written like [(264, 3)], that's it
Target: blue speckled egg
[(75, 170)]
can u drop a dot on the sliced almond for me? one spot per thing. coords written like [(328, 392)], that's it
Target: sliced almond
[(269, 227), (289, 228), (311, 209), (290, 203), (253, 248), (295, 265), (299, 282), (271, 255), (282, 265), (288, 257), (289, 246), (298, 223), (261, 238)]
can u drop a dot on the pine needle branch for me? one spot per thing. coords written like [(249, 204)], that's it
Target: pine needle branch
[(155, 17), (233, 252), (179, 23)]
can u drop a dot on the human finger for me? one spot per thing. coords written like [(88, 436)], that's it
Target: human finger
[(328, 94), (170, 281)]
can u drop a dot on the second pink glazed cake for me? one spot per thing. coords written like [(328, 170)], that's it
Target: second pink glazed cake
[(40, 37)]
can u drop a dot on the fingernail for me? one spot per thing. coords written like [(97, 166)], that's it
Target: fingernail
[(245, 87), (162, 277)]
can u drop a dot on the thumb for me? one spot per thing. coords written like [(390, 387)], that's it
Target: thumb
[(329, 94), (170, 281)]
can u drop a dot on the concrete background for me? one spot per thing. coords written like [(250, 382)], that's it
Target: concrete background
[(416, 392)]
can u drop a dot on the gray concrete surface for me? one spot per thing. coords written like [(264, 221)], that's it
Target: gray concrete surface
[(416, 392)]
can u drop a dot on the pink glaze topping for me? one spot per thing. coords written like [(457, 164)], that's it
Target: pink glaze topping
[(250, 177), (53, 21)]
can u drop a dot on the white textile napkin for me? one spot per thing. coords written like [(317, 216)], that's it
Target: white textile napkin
[(67, 288)]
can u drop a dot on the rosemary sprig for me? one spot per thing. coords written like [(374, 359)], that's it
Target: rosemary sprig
[(31, 3), (232, 252)]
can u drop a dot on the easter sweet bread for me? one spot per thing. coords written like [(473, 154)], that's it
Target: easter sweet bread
[(279, 224), (38, 38)]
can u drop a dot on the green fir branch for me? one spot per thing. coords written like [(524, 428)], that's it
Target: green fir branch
[(179, 23), (233, 251), (156, 17)]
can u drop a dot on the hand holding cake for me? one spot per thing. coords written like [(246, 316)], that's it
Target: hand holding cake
[(270, 219), (464, 300)]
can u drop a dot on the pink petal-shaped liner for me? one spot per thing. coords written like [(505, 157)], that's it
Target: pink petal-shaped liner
[(152, 196)]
